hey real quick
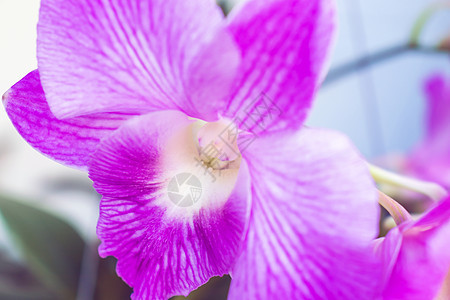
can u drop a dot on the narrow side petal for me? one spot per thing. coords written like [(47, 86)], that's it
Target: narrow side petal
[(124, 55), (314, 216), (164, 249), (285, 46), (71, 141)]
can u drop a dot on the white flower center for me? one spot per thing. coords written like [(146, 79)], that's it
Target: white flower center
[(217, 146), (200, 166)]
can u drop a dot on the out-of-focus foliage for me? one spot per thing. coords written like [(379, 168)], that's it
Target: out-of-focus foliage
[(16, 282), (52, 248), (55, 257)]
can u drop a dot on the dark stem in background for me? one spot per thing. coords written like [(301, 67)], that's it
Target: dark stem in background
[(89, 271), (365, 62), (225, 6)]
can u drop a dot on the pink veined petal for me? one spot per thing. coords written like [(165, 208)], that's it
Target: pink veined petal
[(161, 254), (423, 261), (314, 215), (71, 141), (133, 56), (212, 74), (285, 46)]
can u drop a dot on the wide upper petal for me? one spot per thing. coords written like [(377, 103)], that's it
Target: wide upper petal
[(285, 46), (314, 214), (71, 141), (165, 245), (417, 271), (134, 56)]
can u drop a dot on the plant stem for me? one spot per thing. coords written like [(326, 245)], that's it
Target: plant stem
[(424, 19), (430, 189), (397, 212), (372, 59)]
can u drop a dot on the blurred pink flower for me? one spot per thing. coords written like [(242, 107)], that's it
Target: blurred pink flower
[(135, 91), (431, 158), (416, 256)]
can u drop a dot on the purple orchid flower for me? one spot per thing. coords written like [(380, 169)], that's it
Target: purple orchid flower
[(416, 256), (136, 92), (431, 159)]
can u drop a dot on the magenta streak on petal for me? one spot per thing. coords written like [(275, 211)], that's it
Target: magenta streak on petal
[(160, 256), (417, 269), (285, 46), (71, 141), (132, 56), (314, 215)]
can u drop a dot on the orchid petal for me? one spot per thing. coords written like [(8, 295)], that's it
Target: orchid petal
[(285, 46), (164, 249), (314, 215), (417, 270), (71, 141), (132, 56)]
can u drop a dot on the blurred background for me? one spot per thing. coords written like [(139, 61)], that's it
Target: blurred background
[(374, 94)]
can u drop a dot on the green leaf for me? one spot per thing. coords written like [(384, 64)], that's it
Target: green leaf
[(51, 247), (17, 283)]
